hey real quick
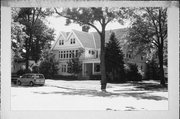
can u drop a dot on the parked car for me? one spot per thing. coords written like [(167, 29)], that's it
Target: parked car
[(31, 79), (14, 78)]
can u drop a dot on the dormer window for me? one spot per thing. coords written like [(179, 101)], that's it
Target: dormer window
[(61, 42), (72, 40)]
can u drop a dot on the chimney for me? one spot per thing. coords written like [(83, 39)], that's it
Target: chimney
[(85, 28)]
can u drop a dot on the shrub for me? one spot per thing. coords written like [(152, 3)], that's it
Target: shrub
[(132, 73), (49, 69)]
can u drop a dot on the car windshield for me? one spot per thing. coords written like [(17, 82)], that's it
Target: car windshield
[(24, 76), (41, 76)]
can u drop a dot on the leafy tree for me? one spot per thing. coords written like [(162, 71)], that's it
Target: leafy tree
[(114, 60), (149, 32), (74, 64), (36, 29), (48, 66), (17, 37), (91, 17)]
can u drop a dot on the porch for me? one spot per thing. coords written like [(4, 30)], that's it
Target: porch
[(90, 68)]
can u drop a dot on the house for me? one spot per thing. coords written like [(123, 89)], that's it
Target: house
[(71, 42)]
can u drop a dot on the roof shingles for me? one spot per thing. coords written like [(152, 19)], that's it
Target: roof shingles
[(92, 40)]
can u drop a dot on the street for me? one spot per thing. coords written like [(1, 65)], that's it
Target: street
[(86, 95)]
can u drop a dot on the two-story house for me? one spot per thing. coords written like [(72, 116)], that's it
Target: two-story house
[(71, 42)]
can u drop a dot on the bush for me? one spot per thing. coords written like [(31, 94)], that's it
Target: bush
[(152, 70), (95, 77), (48, 69), (132, 73)]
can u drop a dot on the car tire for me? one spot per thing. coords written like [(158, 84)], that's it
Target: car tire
[(31, 83), (19, 83)]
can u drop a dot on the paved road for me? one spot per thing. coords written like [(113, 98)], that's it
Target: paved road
[(86, 95)]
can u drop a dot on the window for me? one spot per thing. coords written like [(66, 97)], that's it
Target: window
[(76, 53), (67, 54), (96, 54), (63, 68), (72, 41), (61, 54), (73, 53), (141, 57), (61, 42), (70, 54), (92, 52), (96, 67), (24, 76)]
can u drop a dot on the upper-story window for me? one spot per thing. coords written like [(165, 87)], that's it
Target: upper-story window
[(141, 57), (61, 42), (72, 41), (91, 52), (97, 54), (68, 54)]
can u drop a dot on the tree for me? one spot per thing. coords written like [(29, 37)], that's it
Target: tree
[(48, 66), (90, 17), (149, 32), (17, 37), (132, 73), (36, 29), (114, 59), (74, 64)]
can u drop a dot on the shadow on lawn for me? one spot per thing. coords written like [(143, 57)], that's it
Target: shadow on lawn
[(150, 86), (95, 93)]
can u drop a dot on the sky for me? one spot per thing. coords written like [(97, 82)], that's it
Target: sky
[(59, 25)]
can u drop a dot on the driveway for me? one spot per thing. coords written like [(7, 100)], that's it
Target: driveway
[(86, 95)]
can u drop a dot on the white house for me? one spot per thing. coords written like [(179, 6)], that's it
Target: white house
[(70, 42)]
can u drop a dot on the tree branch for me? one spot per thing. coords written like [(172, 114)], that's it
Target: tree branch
[(78, 21), (153, 20)]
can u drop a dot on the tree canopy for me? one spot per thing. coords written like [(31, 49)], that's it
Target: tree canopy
[(39, 34), (149, 34)]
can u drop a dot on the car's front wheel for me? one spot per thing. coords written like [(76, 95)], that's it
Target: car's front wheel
[(31, 83), (19, 82)]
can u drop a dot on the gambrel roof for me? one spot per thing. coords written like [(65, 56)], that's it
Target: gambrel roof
[(92, 39)]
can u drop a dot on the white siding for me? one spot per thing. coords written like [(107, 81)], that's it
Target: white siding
[(67, 44)]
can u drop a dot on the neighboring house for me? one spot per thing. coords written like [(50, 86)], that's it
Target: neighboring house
[(70, 42)]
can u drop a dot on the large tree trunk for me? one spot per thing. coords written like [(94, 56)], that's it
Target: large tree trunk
[(160, 56), (27, 53), (102, 58)]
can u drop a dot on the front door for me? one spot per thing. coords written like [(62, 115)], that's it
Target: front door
[(88, 69)]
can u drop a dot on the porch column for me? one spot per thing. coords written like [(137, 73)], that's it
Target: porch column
[(92, 68), (83, 69)]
